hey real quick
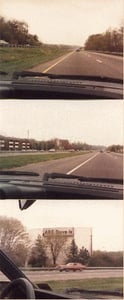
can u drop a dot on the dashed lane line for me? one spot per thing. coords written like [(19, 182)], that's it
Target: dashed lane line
[(82, 164)]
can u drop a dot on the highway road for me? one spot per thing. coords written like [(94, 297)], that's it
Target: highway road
[(56, 275), (84, 63), (92, 164)]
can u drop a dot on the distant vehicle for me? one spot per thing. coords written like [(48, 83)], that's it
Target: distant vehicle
[(4, 43), (71, 150), (52, 150), (71, 267)]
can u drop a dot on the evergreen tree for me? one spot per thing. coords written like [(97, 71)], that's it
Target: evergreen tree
[(73, 252), (38, 256), (83, 256)]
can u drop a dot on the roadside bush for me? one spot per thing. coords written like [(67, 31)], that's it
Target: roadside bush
[(106, 259)]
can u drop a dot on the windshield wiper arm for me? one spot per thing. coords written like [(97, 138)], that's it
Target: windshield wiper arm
[(16, 75)]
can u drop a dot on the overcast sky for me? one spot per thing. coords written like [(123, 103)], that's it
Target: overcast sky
[(105, 217), (65, 21), (98, 122)]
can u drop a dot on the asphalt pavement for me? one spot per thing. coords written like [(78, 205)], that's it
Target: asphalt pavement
[(56, 275), (92, 164), (84, 63)]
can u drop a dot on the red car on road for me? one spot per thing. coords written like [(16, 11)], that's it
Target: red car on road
[(71, 267)]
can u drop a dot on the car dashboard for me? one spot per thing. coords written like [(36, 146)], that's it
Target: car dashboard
[(60, 88)]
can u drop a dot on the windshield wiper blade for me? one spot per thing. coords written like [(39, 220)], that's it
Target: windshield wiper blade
[(48, 176), (99, 292), (16, 75), (54, 175), (18, 173), (60, 186)]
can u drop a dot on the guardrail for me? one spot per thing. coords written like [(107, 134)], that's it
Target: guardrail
[(18, 46), (107, 52), (54, 268)]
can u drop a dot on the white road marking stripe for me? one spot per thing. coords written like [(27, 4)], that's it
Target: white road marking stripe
[(85, 162), (46, 70), (98, 60)]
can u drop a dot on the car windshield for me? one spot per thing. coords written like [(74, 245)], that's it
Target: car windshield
[(69, 139), (78, 252), (66, 37)]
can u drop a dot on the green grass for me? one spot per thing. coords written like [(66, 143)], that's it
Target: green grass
[(110, 284), (23, 160), (18, 59)]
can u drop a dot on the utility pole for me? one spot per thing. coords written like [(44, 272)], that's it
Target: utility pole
[(91, 244), (28, 134)]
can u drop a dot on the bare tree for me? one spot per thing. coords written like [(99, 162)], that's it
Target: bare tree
[(55, 243), (14, 239)]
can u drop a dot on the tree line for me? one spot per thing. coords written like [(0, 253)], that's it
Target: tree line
[(115, 148), (44, 252), (57, 144), (111, 40), (61, 144), (17, 33), (106, 259)]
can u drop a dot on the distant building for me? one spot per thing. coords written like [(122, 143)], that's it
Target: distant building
[(81, 235), (14, 144)]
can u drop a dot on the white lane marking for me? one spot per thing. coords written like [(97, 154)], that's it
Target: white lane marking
[(82, 164), (46, 70), (99, 61)]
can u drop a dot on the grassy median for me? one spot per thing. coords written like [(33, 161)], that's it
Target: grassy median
[(18, 59), (108, 284), (8, 162)]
